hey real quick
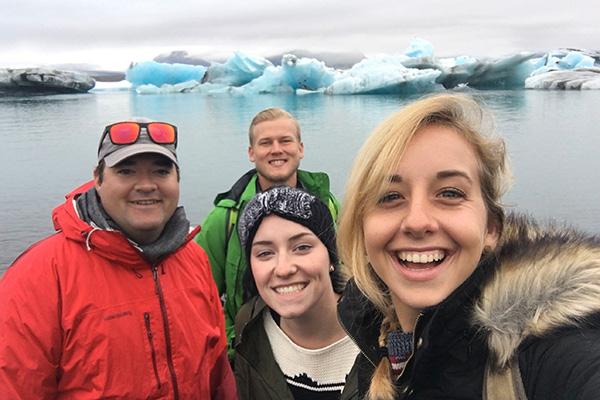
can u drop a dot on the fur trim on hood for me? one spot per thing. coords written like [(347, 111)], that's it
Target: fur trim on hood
[(547, 278)]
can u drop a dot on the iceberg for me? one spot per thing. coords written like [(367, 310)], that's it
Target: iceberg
[(417, 70), (576, 79), (384, 75), (306, 73), (158, 74), (181, 87), (123, 85), (238, 70), (43, 80), (419, 48), (504, 73)]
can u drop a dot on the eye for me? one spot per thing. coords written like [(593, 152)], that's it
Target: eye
[(262, 254), (287, 140), (303, 248), (451, 194), (163, 171), (125, 171), (389, 198)]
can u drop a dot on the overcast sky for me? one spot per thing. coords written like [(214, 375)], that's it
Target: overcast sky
[(112, 33)]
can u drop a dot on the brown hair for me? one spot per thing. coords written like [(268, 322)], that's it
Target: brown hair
[(377, 160), (271, 114)]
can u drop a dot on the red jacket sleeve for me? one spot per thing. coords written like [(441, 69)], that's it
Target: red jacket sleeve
[(30, 333), (222, 380)]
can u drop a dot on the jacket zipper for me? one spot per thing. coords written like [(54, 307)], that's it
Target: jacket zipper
[(151, 341), (406, 391), (163, 310)]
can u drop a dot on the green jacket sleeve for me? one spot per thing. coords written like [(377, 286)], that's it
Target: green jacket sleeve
[(212, 238)]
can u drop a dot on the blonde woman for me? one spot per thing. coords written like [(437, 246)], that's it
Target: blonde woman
[(450, 298)]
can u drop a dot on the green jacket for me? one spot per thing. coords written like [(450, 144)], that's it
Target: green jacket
[(256, 372), (219, 236)]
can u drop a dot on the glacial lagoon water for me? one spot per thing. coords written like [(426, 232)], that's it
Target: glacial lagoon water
[(48, 146)]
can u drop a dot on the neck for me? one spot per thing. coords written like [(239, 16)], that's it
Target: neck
[(266, 184), (407, 316), (316, 328)]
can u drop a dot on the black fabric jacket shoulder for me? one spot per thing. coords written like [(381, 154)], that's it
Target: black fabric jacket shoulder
[(257, 374)]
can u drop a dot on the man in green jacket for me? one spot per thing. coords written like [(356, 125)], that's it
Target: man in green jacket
[(276, 149)]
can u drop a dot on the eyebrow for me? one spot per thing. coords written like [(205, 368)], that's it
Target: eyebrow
[(291, 239), (440, 175), (453, 173)]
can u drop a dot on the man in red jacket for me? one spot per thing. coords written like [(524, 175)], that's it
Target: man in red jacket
[(119, 302)]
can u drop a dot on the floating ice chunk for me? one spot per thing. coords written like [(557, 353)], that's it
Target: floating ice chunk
[(123, 85), (384, 75), (238, 70), (575, 59), (465, 60), (271, 81), (503, 73), (293, 74), (182, 87), (158, 74), (419, 48), (306, 73), (584, 78)]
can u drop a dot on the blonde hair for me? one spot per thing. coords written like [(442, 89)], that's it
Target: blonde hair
[(271, 114), (369, 178)]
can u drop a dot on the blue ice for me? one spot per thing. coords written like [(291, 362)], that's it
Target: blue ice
[(158, 74)]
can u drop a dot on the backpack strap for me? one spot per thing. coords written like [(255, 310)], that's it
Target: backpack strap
[(505, 384)]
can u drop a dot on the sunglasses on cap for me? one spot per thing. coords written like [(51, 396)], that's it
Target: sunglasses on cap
[(122, 133)]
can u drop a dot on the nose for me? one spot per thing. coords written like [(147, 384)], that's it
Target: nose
[(276, 147), (285, 266), (145, 183), (419, 220)]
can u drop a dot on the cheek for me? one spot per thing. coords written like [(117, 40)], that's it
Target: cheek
[(375, 233), (260, 275)]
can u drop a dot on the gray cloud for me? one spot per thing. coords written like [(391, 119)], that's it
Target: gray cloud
[(459, 27)]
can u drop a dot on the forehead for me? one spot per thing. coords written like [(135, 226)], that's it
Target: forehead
[(152, 158), (436, 148), (275, 128), (274, 226)]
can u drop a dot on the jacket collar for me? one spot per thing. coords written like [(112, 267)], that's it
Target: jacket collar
[(445, 322), (112, 245), (244, 188)]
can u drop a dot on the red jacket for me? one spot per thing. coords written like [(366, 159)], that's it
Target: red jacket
[(83, 315)]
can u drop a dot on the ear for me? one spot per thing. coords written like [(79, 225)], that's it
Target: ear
[(492, 234), (301, 150), (97, 182), (251, 154)]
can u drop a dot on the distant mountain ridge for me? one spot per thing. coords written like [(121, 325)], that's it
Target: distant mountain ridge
[(338, 60)]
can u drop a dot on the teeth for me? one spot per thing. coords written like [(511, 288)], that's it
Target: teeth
[(290, 289), (145, 202), (421, 257), (278, 162)]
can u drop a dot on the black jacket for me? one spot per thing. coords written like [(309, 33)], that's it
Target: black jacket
[(257, 374), (537, 298)]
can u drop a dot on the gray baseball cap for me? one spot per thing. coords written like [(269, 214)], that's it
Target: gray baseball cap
[(113, 154)]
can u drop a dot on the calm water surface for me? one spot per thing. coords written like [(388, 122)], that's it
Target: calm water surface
[(48, 146)]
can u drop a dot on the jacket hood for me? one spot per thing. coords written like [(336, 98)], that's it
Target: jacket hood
[(548, 278), (112, 245)]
